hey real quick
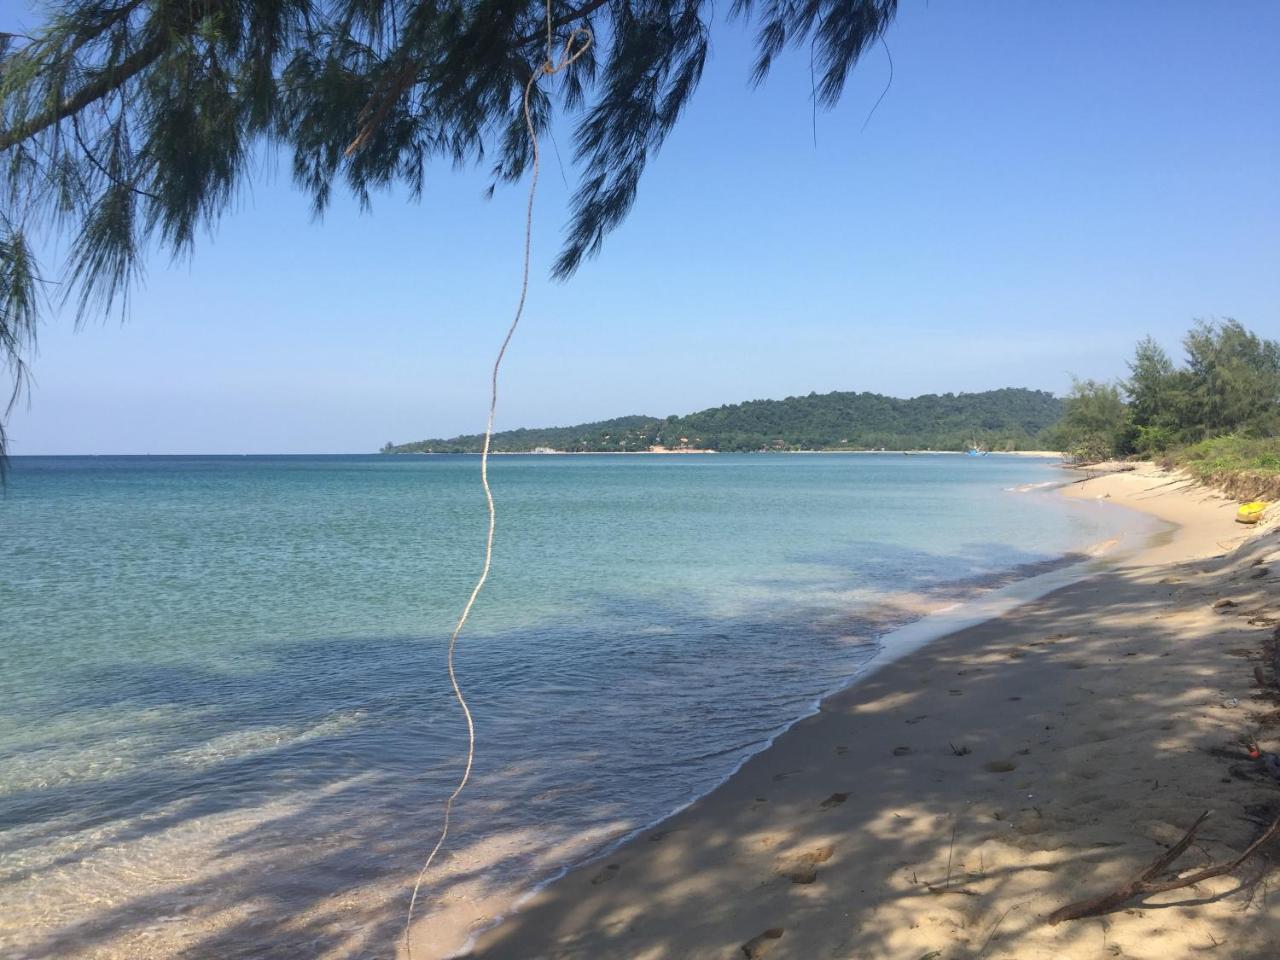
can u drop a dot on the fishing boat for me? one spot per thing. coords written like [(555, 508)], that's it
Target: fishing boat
[(1251, 512)]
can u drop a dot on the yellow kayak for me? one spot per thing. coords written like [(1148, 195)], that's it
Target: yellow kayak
[(1250, 512)]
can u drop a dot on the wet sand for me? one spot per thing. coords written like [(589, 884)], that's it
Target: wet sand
[(946, 804)]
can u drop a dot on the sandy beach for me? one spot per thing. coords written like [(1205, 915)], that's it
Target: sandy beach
[(944, 806)]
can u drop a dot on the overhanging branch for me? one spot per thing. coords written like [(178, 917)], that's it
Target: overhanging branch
[(106, 83), (111, 79), (566, 19)]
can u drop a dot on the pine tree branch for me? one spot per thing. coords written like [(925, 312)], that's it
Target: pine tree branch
[(565, 20), (380, 104), (117, 16), (111, 79), (106, 83), (84, 148)]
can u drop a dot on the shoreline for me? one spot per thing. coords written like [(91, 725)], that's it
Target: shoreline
[(563, 918), (957, 604), (897, 642), (913, 623)]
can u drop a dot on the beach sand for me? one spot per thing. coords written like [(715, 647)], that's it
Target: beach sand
[(942, 807)]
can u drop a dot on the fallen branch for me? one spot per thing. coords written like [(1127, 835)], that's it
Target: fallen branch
[(1146, 883)]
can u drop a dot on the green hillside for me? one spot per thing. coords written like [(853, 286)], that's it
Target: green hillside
[(1008, 419)]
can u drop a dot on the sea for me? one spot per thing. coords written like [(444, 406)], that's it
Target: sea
[(226, 726)]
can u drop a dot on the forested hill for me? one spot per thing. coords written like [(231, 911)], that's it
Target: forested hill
[(1008, 419)]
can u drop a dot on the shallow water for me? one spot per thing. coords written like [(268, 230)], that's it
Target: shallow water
[(225, 727)]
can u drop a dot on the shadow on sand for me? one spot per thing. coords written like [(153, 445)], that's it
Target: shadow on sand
[(306, 847)]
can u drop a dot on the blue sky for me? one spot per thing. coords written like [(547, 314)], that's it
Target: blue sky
[(1042, 185)]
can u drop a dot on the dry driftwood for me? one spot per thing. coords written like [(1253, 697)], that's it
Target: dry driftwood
[(1146, 883)]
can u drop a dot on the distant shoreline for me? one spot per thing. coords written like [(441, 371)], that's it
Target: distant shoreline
[(838, 420), (687, 453)]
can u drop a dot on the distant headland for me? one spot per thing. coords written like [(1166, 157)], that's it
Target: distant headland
[(1006, 420)]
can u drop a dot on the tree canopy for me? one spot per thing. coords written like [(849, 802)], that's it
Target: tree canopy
[(1229, 385), (131, 124)]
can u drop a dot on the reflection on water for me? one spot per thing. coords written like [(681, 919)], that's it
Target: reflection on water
[(225, 729)]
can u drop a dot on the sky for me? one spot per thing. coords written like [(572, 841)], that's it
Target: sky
[(1041, 186)]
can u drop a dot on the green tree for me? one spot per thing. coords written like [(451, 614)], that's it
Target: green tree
[(1096, 424), (1156, 392), (1232, 382), (130, 124)]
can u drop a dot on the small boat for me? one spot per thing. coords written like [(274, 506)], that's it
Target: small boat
[(1250, 512)]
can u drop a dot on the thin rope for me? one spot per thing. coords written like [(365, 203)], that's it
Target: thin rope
[(549, 67), (888, 84)]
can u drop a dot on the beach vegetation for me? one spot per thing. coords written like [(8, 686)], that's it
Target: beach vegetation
[(1097, 421), (1155, 395), (1229, 384), (1246, 467), (1223, 401)]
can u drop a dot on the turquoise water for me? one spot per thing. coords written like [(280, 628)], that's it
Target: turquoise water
[(222, 678)]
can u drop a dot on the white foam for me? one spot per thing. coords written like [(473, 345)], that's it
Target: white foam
[(913, 636), (1029, 487)]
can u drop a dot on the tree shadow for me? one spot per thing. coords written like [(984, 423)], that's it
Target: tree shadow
[(284, 809), (949, 802), (281, 809)]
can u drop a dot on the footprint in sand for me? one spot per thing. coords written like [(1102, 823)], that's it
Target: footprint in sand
[(833, 801), (786, 773), (758, 947), (803, 867), (1000, 766), (608, 873)]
